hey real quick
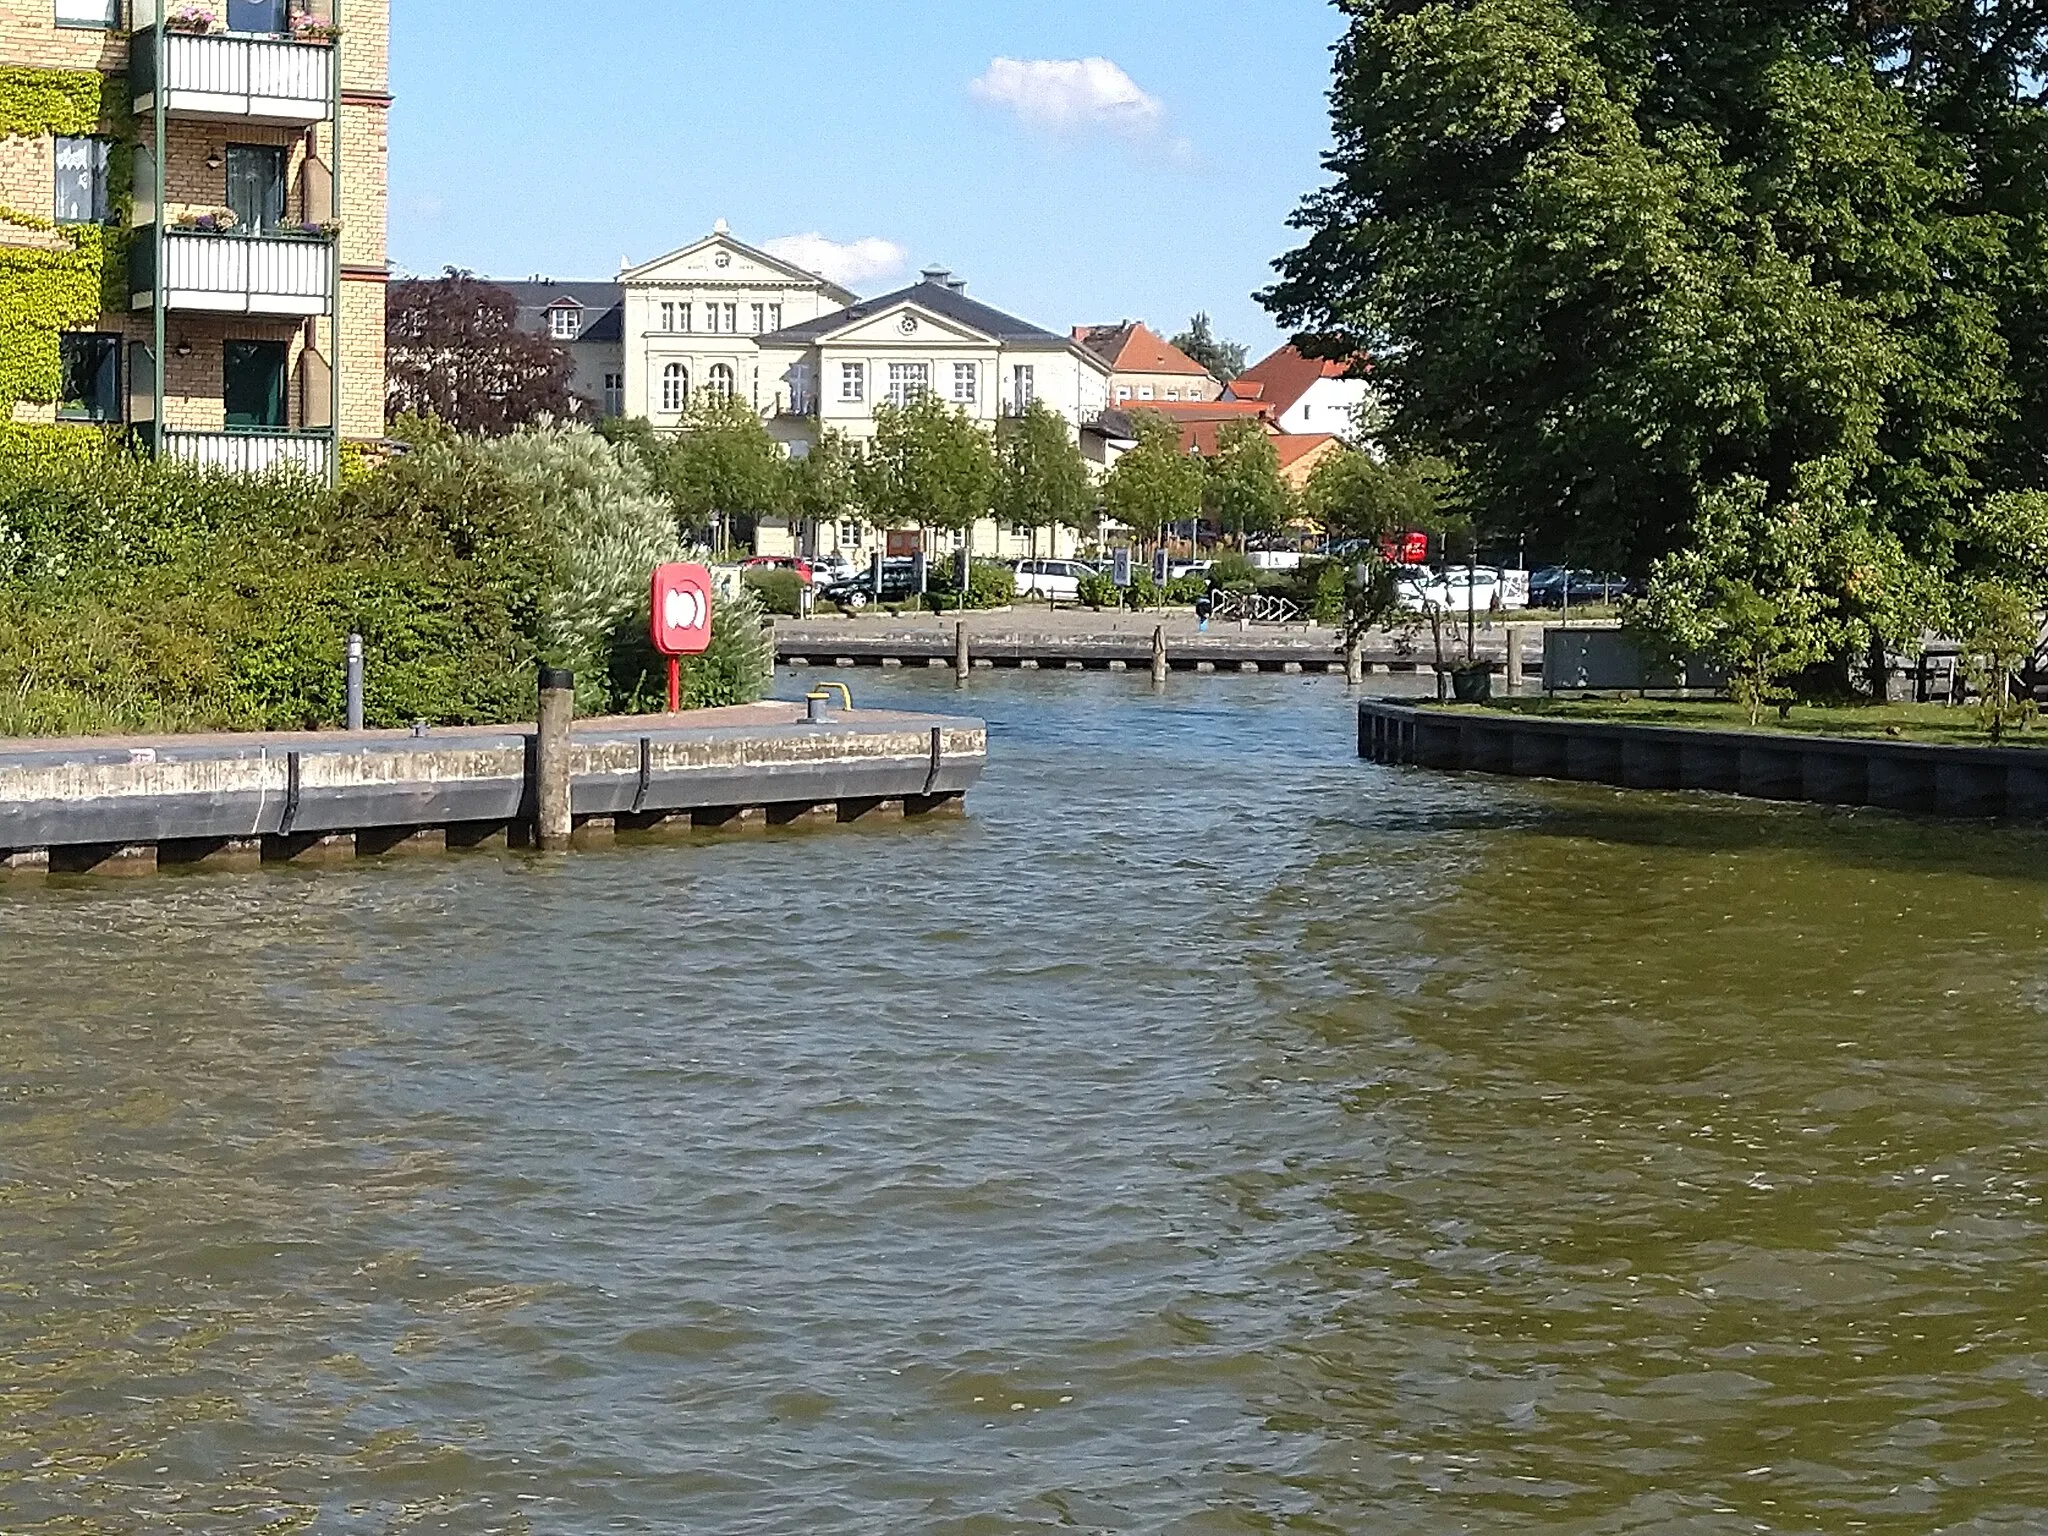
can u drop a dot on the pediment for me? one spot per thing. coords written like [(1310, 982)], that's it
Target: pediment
[(907, 324), (722, 259)]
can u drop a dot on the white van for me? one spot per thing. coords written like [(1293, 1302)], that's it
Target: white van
[(1060, 579)]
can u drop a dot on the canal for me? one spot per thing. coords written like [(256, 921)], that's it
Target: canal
[(1212, 1134)]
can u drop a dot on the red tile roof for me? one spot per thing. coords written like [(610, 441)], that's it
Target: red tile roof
[(1282, 379), (1133, 348)]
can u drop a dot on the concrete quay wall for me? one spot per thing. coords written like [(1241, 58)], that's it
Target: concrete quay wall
[(1892, 775), (88, 803)]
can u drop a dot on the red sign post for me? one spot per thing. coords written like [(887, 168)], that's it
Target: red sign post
[(682, 620)]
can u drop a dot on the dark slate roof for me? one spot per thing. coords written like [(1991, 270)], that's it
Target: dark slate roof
[(604, 306), (936, 297)]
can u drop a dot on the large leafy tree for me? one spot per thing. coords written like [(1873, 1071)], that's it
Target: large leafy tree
[(929, 465), (1244, 491), (821, 482), (1156, 483), (1041, 481), (723, 471), (1631, 264), (1353, 495), (454, 352)]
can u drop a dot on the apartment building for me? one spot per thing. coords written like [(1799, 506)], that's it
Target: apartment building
[(1145, 367), (225, 161)]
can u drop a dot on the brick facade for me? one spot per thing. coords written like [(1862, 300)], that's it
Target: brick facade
[(30, 37)]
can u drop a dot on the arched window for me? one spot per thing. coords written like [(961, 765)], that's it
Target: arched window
[(720, 383), (675, 387)]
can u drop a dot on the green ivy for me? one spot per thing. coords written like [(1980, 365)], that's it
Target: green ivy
[(72, 102)]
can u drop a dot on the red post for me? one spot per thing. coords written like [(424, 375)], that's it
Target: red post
[(675, 685)]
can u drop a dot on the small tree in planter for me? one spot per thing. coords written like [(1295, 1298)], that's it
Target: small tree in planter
[(1999, 631)]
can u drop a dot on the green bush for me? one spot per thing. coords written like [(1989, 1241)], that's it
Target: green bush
[(1183, 591), (777, 591), (1231, 569), (1098, 591), (990, 584), (1143, 592)]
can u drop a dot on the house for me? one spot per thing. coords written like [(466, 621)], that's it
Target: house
[(1304, 394), (588, 321), (1145, 368), (247, 327), (830, 372)]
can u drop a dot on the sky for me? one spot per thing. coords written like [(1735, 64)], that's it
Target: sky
[(1078, 163)]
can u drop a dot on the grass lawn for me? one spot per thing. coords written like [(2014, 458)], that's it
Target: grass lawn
[(1938, 724)]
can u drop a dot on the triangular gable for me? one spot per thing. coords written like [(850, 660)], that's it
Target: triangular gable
[(699, 262), (886, 327)]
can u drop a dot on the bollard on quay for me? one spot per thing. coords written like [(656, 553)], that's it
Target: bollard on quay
[(963, 662), (555, 823), (354, 679), (1160, 665)]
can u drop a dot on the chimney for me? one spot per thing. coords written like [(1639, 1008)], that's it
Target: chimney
[(957, 284), (939, 277)]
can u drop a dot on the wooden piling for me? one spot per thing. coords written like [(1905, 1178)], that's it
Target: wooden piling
[(554, 826), (1160, 665)]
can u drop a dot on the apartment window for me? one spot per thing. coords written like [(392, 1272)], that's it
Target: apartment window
[(719, 380), (1144, 393), (853, 382), (966, 376), (711, 318), (849, 533), (908, 381), (1024, 386), (1123, 393), (88, 13), (683, 317), (92, 376), (675, 387), (82, 181), (252, 376), (668, 317), (615, 394), (1173, 394), (256, 186), (565, 323), (760, 319), (256, 15), (774, 317), (1307, 411)]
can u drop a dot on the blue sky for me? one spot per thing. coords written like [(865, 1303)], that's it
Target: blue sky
[(1077, 162)]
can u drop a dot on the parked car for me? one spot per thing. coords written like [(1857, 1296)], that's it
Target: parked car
[(1059, 579), (899, 583), (1176, 569), (805, 572), (839, 566), (1457, 588), (1556, 586)]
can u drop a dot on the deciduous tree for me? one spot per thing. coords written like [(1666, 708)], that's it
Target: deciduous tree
[(929, 465), (1223, 359), (1155, 483), (1244, 491), (723, 471), (454, 352), (1041, 481)]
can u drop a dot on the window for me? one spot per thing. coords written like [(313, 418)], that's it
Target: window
[(849, 533), (760, 319), (1173, 394), (615, 394), (965, 377), (909, 381), (732, 318), (800, 403), (1307, 411), (1144, 393), (711, 318), (853, 382), (92, 376), (719, 382), (668, 317), (675, 387), (1123, 393), (774, 317), (82, 181), (1023, 386), (88, 13), (256, 15), (565, 323), (252, 375), (683, 320), (256, 186)]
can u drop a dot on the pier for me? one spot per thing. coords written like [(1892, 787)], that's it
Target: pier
[(138, 804)]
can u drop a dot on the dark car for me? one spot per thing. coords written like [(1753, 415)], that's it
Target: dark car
[(1557, 587), (899, 583)]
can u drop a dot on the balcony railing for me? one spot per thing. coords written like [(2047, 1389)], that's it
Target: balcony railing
[(286, 276), (249, 453), (229, 77)]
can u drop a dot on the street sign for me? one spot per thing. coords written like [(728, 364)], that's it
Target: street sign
[(681, 623), (1159, 567), (1120, 567)]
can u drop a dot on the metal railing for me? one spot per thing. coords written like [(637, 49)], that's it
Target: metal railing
[(283, 275), (249, 453), (226, 75)]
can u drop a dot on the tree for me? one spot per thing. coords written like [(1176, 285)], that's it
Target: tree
[(1352, 495), (1155, 483), (1620, 259), (1244, 490), (930, 465), (820, 484), (1224, 359), (454, 351), (723, 472), (1041, 480)]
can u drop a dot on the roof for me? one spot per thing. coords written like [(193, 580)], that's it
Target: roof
[(1201, 426), (724, 236), (603, 305), (940, 299), (1300, 452), (1282, 379), (1132, 347)]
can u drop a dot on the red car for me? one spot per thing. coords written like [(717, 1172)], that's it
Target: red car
[(779, 563)]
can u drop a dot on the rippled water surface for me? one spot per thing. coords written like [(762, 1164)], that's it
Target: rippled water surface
[(1212, 1134)]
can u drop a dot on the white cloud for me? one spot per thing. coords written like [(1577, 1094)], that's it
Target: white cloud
[(1070, 95), (850, 263)]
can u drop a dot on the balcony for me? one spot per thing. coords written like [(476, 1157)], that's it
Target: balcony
[(286, 277), (250, 453), (233, 78)]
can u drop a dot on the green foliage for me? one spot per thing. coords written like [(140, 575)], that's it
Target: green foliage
[(929, 465), (1244, 491), (1232, 569), (820, 485), (724, 469), (777, 591), (990, 584), (1098, 590), (1155, 483), (2000, 630), (1223, 359), (1353, 495), (1181, 591), (1041, 480), (71, 102)]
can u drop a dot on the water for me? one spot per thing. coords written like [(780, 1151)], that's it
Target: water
[(1214, 1134)]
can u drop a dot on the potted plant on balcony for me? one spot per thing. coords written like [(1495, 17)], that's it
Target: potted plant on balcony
[(308, 28), (321, 229), (216, 221), (196, 19)]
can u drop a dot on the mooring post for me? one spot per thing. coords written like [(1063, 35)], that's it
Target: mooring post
[(1514, 660), (556, 822), (963, 663), (1354, 660), (1160, 665), (355, 682)]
